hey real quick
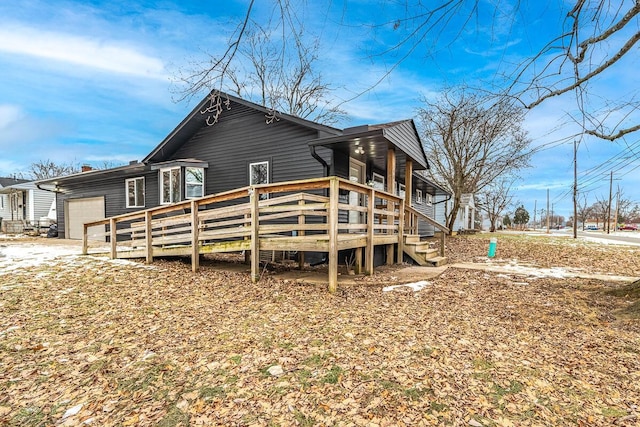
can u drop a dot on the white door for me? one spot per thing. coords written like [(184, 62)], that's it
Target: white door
[(79, 211), (357, 173)]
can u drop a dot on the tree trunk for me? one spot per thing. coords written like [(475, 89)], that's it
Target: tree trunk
[(451, 221)]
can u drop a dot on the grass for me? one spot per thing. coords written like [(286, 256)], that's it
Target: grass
[(333, 376), (628, 292)]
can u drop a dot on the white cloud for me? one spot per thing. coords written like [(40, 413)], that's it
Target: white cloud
[(9, 114), (104, 55)]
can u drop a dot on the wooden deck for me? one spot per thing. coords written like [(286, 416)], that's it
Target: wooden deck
[(317, 215)]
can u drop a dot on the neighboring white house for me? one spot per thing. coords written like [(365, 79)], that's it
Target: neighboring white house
[(465, 219), (7, 200), (21, 200)]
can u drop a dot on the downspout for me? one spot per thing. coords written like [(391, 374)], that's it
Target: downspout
[(327, 168), (54, 191)]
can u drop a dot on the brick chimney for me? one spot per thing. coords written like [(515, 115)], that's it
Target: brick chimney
[(86, 168)]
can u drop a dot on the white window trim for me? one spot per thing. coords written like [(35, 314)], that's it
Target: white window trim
[(126, 187), (378, 181), (162, 171), (262, 196), (186, 183), (429, 198), (401, 190), (251, 175), (418, 197)]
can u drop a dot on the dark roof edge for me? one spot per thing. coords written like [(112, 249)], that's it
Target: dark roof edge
[(91, 173), (427, 180)]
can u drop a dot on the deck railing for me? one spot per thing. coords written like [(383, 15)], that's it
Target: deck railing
[(412, 226), (323, 215)]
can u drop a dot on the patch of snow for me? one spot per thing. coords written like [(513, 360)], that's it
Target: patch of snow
[(23, 255), (416, 286), (13, 257)]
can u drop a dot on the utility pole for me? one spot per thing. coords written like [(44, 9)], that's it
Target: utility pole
[(609, 208), (535, 204), (547, 210), (553, 220), (615, 221), (575, 189)]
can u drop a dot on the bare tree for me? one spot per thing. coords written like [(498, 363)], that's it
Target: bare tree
[(624, 207), (600, 210), (592, 39), (47, 169), (471, 140), (495, 199), (584, 212), (273, 66)]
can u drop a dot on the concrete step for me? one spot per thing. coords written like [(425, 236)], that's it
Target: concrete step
[(437, 261)]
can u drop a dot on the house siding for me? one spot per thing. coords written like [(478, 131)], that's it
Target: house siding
[(40, 204), (230, 145), (113, 190), (402, 133)]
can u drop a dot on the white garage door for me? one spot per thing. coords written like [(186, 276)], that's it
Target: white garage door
[(79, 211)]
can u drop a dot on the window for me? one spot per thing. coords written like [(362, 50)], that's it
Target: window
[(429, 199), (401, 190), (418, 197), (194, 182), (135, 192), (169, 185), (1, 201), (378, 181), (259, 174)]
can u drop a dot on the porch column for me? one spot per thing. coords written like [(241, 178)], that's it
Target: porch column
[(391, 188), (408, 187), (391, 170)]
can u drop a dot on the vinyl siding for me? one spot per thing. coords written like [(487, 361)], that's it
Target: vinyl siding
[(230, 145), (113, 190)]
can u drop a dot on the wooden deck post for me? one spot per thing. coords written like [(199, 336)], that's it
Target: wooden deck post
[(333, 234), (247, 254), (442, 237), (408, 182), (85, 241), (113, 236), (358, 260), (401, 232), (254, 200), (391, 188), (301, 221), (368, 252), (148, 235), (195, 230)]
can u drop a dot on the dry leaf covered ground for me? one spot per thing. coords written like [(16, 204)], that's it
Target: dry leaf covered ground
[(88, 341)]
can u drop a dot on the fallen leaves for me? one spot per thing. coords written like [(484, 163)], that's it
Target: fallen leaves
[(163, 346)]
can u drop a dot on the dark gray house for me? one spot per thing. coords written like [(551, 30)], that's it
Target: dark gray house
[(227, 142)]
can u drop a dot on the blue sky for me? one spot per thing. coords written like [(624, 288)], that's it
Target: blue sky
[(90, 81)]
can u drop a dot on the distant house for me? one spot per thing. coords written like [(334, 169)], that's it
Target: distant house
[(246, 144), (21, 200), (465, 218)]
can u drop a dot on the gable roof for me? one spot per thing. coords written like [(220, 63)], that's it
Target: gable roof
[(374, 139), (198, 117), (7, 181)]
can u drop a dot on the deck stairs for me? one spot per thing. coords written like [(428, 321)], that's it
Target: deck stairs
[(423, 252)]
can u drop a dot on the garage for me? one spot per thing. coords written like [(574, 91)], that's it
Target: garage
[(79, 211)]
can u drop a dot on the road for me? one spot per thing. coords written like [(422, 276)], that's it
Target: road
[(633, 237)]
